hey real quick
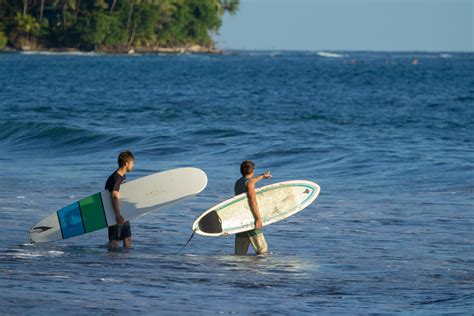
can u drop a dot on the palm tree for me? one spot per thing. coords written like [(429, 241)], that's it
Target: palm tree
[(2, 9), (25, 7), (231, 6), (78, 4), (114, 2), (41, 10), (131, 32), (130, 12), (64, 6), (26, 26)]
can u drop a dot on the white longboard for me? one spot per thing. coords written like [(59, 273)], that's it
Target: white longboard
[(275, 202), (137, 197)]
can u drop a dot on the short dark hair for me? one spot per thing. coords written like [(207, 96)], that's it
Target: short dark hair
[(247, 167), (124, 157)]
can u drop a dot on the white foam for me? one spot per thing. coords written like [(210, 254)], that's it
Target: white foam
[(27, 255), (330, 55), (73, 53), (109, 280), (56, 253), (61, 276)]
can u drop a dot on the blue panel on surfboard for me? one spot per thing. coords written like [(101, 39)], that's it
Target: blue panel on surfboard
[(71, 221)]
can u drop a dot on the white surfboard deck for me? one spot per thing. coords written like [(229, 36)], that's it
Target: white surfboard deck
[(137, 197), (275, 202)]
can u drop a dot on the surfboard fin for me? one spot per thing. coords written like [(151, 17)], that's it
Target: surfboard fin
[(40, 229)]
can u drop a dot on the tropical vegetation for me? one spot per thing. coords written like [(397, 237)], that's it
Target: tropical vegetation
[(110, 24)]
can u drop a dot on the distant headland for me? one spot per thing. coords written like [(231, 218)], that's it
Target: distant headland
[(112, 26)]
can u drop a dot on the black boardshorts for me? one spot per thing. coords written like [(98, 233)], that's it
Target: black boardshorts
[(120, 232)]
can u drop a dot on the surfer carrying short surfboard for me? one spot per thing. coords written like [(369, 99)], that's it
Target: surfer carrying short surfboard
[(255, 236), (122, 230)]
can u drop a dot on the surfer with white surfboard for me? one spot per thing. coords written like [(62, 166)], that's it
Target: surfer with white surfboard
[(254, 236), (254, 208), (122, 230)]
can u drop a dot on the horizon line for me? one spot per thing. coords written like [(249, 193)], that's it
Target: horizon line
[(346, 50)]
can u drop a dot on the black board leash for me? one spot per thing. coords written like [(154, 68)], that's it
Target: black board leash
[(192, 235)]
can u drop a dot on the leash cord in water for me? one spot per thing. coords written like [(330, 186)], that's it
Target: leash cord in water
[(192, 235)]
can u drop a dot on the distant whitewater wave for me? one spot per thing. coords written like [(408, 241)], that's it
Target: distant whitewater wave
[(51, 53), (445, 55), (330, 55), (262, 53)]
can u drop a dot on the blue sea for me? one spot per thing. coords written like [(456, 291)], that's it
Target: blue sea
[(389, 137)]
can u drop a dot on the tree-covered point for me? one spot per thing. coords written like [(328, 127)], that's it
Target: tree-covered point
[(110, 24)]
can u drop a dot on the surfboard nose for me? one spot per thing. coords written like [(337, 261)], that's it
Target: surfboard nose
[(211, 223)]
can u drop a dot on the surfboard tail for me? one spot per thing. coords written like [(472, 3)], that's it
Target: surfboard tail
[(46, 230), (211, 223)]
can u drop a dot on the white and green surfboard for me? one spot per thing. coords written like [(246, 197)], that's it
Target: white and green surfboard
[(275, 202), (137, 197)]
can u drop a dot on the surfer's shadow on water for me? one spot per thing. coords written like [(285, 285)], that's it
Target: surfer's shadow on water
[(253, 272), (263, 265)]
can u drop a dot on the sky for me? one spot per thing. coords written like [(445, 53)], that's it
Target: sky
[(325, 25)]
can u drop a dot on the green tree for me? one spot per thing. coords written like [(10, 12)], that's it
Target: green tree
[(231, 6), (3, 37), (100, 28), (191, 23), (88, 23), (26, 26), (68, 11), (204, 18), (146, 19)]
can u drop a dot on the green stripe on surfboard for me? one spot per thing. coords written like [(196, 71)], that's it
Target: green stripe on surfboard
[(92, 213)]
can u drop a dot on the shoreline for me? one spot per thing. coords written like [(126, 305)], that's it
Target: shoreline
[(191, 49)]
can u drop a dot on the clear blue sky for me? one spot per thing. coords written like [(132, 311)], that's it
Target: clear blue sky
[(386, 25)]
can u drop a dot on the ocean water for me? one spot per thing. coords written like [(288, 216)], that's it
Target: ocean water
[(391, 144)]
